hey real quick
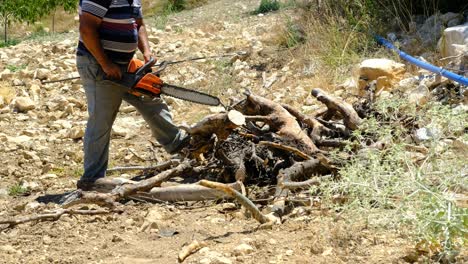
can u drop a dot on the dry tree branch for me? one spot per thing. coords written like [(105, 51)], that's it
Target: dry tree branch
[(286, 148), (244, 201), (111, 199), (162, 166), (351, 118)]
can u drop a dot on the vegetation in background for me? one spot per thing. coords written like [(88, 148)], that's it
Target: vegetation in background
[(29, 11), (267, 6), (396, 183), (164, 9)]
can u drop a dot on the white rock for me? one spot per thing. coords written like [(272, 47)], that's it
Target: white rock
[(454, 41), (42, 74), (243, 249), (19, 140), (24, 104), (33, 186), (18, 82), (76, 132), (371, 69), (3, 193), (426, 133)]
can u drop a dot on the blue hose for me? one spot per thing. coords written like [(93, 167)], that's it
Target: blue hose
[(448, 74)]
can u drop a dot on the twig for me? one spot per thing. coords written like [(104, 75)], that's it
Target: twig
[(286, 148), (162, 166), (53, 216), (244, 201), (304, 184)]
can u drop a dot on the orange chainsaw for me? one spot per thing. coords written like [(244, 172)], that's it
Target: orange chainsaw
[(140, 81)]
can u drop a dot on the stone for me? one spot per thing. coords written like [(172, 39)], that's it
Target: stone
[(419, 96), (454, 41), (243, 249), (3, 193), (6, 75), (372, 69), (426, 133), (383, 84), (221, 260), (24, 104), (8, 249), (76, 132), (154, 39), (42, 74), (19, 140), (18, 82), (33, 186)]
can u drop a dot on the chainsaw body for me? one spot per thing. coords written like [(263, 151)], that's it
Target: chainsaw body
[(145, 82), (140, 81)]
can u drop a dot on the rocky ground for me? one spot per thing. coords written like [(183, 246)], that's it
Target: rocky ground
[(41, 152)]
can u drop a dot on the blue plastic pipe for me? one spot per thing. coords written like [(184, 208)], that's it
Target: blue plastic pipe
[(448, 74)]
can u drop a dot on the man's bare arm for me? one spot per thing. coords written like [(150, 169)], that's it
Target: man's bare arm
[(89, 26), (143, 43)]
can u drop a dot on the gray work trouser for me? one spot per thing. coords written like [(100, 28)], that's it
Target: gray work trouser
[(104, 99)]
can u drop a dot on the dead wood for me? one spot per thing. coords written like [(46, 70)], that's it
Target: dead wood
[(162, 166), (300, 170), (280, 120), (351, 118), (221, 125), (52, 216), (190, 249), (304, 184), (318, 130), (187, 192), (244, 201), (111, 199), (294, 151)]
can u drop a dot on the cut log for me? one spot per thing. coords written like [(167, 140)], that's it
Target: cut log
[(221, 125), (351, 118)]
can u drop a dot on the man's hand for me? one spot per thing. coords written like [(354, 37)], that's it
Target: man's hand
[(112, 71), (147, 56)]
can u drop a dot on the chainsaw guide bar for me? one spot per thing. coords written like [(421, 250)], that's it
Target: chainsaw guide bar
[(189, 95)]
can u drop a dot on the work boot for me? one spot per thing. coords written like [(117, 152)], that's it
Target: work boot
[(99, 185), (183, 144)]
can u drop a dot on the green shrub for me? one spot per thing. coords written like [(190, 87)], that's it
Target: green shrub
[(267, 6), (9, 43), (17, 190), (404, 185)]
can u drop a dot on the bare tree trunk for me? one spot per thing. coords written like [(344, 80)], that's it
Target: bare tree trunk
[(53, 20), (5, 25)]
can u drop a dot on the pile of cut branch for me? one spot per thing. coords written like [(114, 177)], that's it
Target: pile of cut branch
[(255, 143)]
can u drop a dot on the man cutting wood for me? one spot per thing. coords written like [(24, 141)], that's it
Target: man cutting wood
[(110, 33)]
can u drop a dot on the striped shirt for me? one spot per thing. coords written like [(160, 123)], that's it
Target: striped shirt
[(118, 31)]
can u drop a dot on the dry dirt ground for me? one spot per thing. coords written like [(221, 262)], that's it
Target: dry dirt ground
[(147, 233)]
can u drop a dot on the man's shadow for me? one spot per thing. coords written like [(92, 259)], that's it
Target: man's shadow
[(55, 198)]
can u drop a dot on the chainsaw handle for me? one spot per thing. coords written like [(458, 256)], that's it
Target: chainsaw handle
[(145, 67), (162, 67)]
